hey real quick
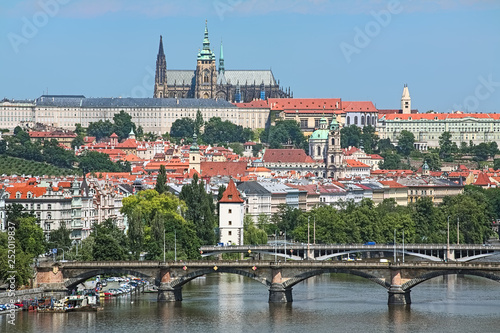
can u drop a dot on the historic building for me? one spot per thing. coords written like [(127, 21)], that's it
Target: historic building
[(209, 82)]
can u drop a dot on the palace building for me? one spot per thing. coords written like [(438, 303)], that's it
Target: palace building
[(209, 82)]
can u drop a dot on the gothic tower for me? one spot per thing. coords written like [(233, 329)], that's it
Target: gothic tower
[(335, 164), (406, 100), (161, 73), (206, 74)]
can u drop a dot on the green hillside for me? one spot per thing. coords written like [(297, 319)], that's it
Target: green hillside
[(17, 166)]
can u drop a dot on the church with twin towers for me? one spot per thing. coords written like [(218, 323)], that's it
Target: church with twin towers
[(209, 82)]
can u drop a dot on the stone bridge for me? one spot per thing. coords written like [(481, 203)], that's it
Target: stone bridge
[(278, 277)]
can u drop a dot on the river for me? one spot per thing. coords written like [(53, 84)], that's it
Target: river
[(327, 303)]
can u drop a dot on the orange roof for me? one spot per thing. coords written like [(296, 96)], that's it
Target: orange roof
[(231, 194), (356, 164), (286, 156), (24, 189), (391, 183), (129, 143), (305, 103), (483, 180), (363, 106), (257, 104), (234, 169)]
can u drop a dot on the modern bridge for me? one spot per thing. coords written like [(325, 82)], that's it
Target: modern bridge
[(303, 251), (279, 277)]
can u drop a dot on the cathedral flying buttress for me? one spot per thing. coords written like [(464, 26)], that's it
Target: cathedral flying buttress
[(209, 82)]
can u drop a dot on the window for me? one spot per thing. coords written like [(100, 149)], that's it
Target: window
[(355, 120), (230, 223), (29, 195), (38, 206), (18, 195), (230, 211), (49, 207), (303, 123), (229, 233), (230, 196)]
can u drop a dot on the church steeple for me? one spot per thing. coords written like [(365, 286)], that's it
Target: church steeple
[(221, 60), (406, 100), (161, 73), (206, 53)]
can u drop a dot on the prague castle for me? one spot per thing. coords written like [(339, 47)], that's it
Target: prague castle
[(209, 82)]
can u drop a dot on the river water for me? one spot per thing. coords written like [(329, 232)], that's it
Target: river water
[(327, 303)]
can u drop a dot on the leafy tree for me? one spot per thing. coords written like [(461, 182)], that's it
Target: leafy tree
[(135, 233), (200, 210), (286, 218), (446, 147), (430, 220), (60, 238), (198, 122), (251, 234), (237, 148), (392, 161), (21, 135), (405, 143), (165, 208), (94, 161), (149, 136), (57, 155), (350, 136), (285, 132), (433, 161), (182, 128), (385, 145), (218, 131), (22, 270), (79, 130), (161, 180), (100, 129), (109, 242), (369, 139), (77, 142), (496, 164), (123, 124)]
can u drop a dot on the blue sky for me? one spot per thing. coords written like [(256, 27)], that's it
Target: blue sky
[(447, 51)]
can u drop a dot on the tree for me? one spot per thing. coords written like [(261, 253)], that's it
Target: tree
[(350, 136), (285, 132), (161, 180), (198, 122), (286, 218), (123, 124), (100, 129), (182, 128), (237, 148), (369, 139), (94, 161), (79, 130), (446, 147), (433, 161), (218, 131), (406, 142), (155, 209), (200, 210), (60, 238), (392, 161), (109, 242), (53, 153), (77, 142), (385, 145), (496, 164), (251, 234)]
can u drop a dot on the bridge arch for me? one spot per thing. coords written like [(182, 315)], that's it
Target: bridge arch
[(71, 283), (179, 282), (427, 276), (308, 274)]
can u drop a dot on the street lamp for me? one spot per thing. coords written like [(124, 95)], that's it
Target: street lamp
[(75, 243), (458, 230), (308, 232), (394, 245), (448, 242), (403, 246), (164, 246), (175, 245), (276, 246)]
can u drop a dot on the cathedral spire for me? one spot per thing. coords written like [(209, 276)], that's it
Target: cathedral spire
[(221, 60), (161, 73), (206, 53)]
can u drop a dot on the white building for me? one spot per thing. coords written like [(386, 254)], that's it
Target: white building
[(231, 214)]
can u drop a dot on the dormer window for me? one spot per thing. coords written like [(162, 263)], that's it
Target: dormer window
[(230, 196), (29, 195), (18, 195)]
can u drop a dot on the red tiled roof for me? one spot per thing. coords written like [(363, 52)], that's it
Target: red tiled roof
[(391, 183), (483, 180), (439, 116), (231, 194), (356, 164), (286, 156), (257, 104), (358, 106), (23, 189), (234, 169)]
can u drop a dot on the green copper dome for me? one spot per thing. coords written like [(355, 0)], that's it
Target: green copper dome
[(322, 132)]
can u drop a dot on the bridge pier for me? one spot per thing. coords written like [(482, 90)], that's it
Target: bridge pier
[(167, 293), (279, 294), (398, 296)]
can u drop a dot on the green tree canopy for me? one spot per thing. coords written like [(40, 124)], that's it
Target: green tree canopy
[(182, 128), (350, 136), (405, 143)]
